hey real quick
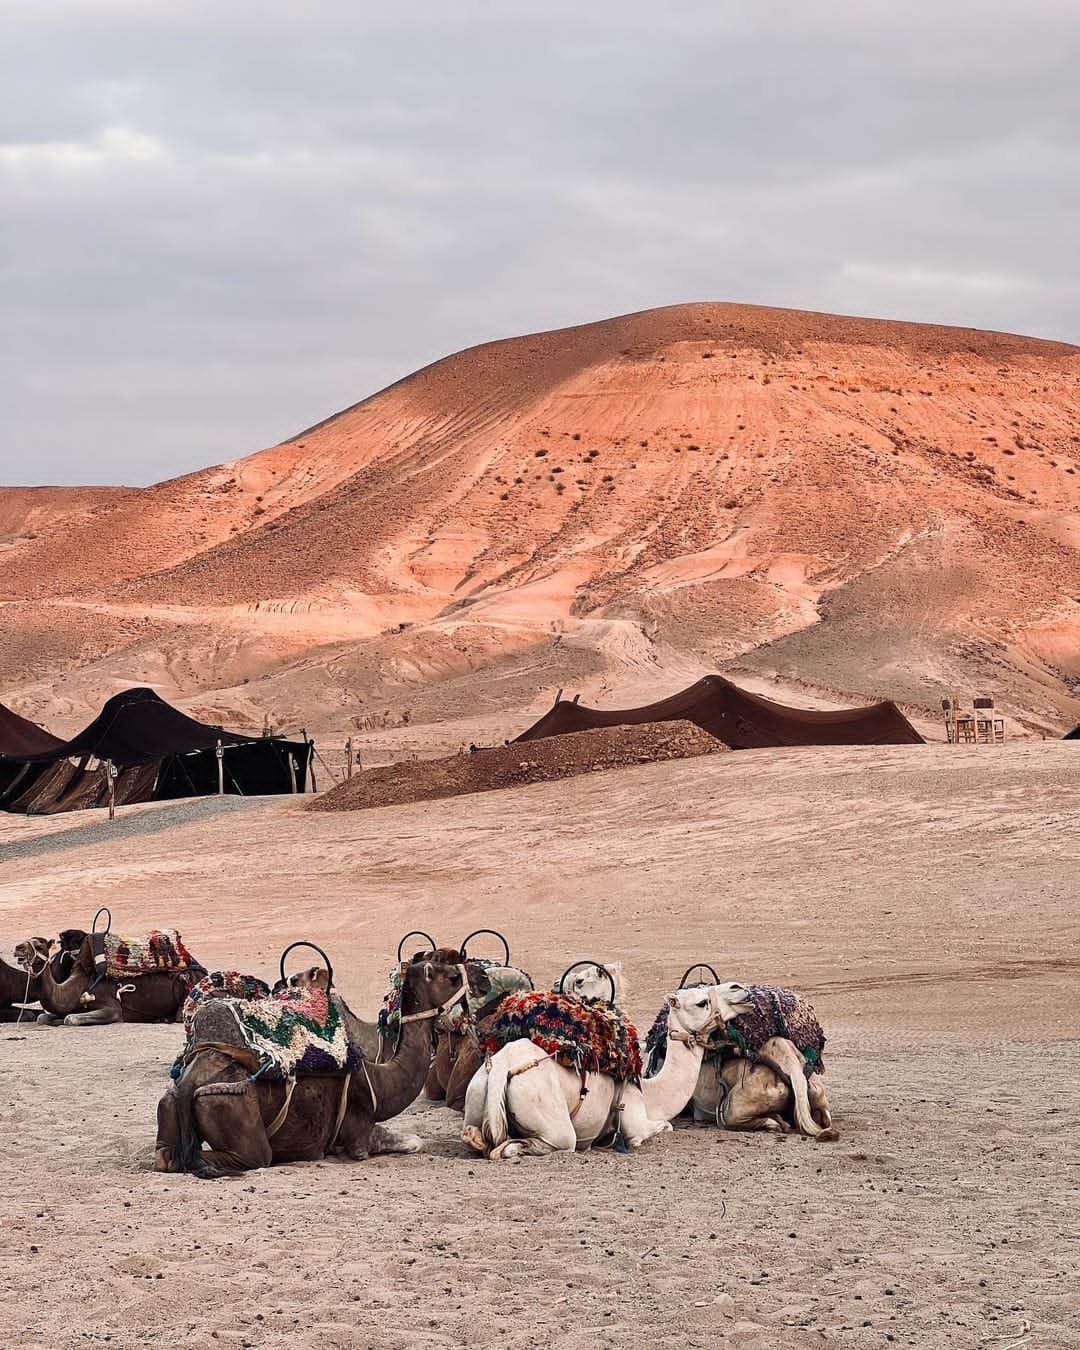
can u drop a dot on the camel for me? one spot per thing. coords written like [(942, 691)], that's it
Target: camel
[(81, 999), (18, 987), (458, 1054), (253, 1122), (763, 1072), (523, 1088)]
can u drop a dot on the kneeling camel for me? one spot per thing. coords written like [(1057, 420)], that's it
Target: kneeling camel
[(239, 1117), (81, 999), (523, 1090)]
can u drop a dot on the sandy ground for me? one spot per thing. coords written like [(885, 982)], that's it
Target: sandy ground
[(925, 898)]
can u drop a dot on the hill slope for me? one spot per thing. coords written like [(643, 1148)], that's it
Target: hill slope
[(857, 506)]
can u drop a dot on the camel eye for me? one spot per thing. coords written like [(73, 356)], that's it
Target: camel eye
[(703, 1003)]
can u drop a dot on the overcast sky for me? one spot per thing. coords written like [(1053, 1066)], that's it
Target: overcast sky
[(224, 220)]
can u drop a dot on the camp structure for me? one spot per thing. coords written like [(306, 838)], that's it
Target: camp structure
[(156, 752), (742, 720), (19, 737), (1073, 735)]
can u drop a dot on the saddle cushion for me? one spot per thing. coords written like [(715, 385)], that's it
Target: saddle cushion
[(223, 984), (295, 1031), (584, 1035), (162, 949)]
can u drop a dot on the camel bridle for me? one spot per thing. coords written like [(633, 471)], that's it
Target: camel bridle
[(32, 970), (700, 1039), (462, 995)]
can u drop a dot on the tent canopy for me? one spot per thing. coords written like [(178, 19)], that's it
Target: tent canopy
[(740, 719), (136, 727), (1073, 735), (19, 737), (159, 753)]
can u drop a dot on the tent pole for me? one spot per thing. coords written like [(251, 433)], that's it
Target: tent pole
[(220, 769), (292, 770), (110, 779), (348, 757)]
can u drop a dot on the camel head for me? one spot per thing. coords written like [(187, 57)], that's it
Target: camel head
[(479, 984), (704, 1007), (33, 954), (315, 977), (429, 984), (592, 982), (71, 940)]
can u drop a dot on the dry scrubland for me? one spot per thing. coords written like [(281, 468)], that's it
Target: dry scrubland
[(925, 898)]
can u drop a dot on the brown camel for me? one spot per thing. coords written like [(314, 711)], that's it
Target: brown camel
[(17, 987), (81, 1000), (217, 1101)]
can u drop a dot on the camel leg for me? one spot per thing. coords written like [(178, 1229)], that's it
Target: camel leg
[(819, 1105), (96, 1017), (386, 1140), (230, 1123), (168, 1131), (472, 1131), (538, 1110)]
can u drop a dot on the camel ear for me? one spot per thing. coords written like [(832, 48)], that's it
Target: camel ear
[(429, 971), (613, 965), (672, 1000)]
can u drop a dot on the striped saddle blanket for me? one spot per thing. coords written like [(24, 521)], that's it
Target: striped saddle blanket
[(162, 949), (295, 1031)]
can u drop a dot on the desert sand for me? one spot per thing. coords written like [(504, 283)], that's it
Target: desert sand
[(847, 508), (923, 897)]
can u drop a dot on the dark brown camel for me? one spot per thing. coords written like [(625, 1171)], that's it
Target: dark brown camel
[(217, 1101), (17, 987), (457, 1057), (155, 997)]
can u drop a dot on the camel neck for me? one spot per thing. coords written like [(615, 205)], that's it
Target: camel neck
[(63, 997), (397, 1081), (15, 987), (667, 1092)]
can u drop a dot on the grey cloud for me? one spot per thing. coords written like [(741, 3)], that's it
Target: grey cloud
[(222, 222)]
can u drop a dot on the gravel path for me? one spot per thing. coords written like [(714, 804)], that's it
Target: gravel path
[(127, 825)]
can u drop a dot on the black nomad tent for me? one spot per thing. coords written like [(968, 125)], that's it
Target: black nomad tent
[(158, 753), (1073, 735), (19, 737), (742, 720)]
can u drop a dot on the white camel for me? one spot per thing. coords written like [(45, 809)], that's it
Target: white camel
[(543, 1100), (592, 981)]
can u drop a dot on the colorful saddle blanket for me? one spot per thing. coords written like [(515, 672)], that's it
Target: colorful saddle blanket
[(295, 1031), (772, 1011), (162, 949), (223, 984), (586, 1036)]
